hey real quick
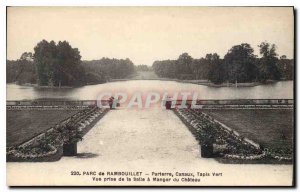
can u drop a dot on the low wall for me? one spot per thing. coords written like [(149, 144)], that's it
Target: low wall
[(53, 103), (242, 102), (211, 103)]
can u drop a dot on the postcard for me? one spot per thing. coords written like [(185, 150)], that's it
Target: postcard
[(150, 96)]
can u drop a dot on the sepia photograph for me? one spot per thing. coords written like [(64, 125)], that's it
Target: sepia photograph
[(150, 96)]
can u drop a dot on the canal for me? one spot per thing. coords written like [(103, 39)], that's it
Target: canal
[(278, 90)]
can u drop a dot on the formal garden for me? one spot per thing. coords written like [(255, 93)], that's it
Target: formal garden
[(219, 141), (58, 140)]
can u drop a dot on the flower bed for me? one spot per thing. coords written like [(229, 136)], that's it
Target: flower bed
[(23, 155), (234, 146), (48, 146)]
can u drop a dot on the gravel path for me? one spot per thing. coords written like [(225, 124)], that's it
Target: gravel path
[(152, 140)]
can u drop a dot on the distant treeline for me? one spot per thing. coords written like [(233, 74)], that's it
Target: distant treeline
[(21, 71), (142, 68), (99, 71), (239, 65), (59, 64)]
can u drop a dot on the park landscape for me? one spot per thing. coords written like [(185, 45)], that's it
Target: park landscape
[(245, 120), (59, 73)]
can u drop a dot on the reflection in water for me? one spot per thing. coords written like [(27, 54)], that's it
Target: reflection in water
[(282, 89)]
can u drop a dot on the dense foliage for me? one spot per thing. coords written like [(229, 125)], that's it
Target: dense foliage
[(22, 70), (239, 65), (60, 65), (142, 68), (99, 71)]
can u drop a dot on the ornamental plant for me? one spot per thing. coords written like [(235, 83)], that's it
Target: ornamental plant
[(71, 134), (206, 135)]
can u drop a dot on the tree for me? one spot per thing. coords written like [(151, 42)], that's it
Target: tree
[(142, 68), (44, 58), (67, 69), (105, 68), (165, 68), (184, 63), (200, 68), (286, 68), (58, 64), (22, 70), (283, 57), (26, 56), (268, 62), (24, 65), (240, 64), (215, 69)]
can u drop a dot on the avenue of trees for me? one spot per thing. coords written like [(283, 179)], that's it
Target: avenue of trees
[(59, 64), (239, 65)]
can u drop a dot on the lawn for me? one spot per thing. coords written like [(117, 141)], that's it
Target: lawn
[(272, 128), (22, 125)]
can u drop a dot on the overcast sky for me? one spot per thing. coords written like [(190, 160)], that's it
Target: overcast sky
[(148, 34)]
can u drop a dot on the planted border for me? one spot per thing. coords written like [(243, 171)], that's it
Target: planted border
[(48, 146), (228, 143)]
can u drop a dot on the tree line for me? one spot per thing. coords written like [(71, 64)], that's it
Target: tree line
[(99, 71), (21, 70), (59, 64), (238, 65), (142, 68)]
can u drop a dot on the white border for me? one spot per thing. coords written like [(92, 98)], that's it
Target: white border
[(4, 3), (148, 3)]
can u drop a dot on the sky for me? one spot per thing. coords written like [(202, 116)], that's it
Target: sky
[(146, 34)]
